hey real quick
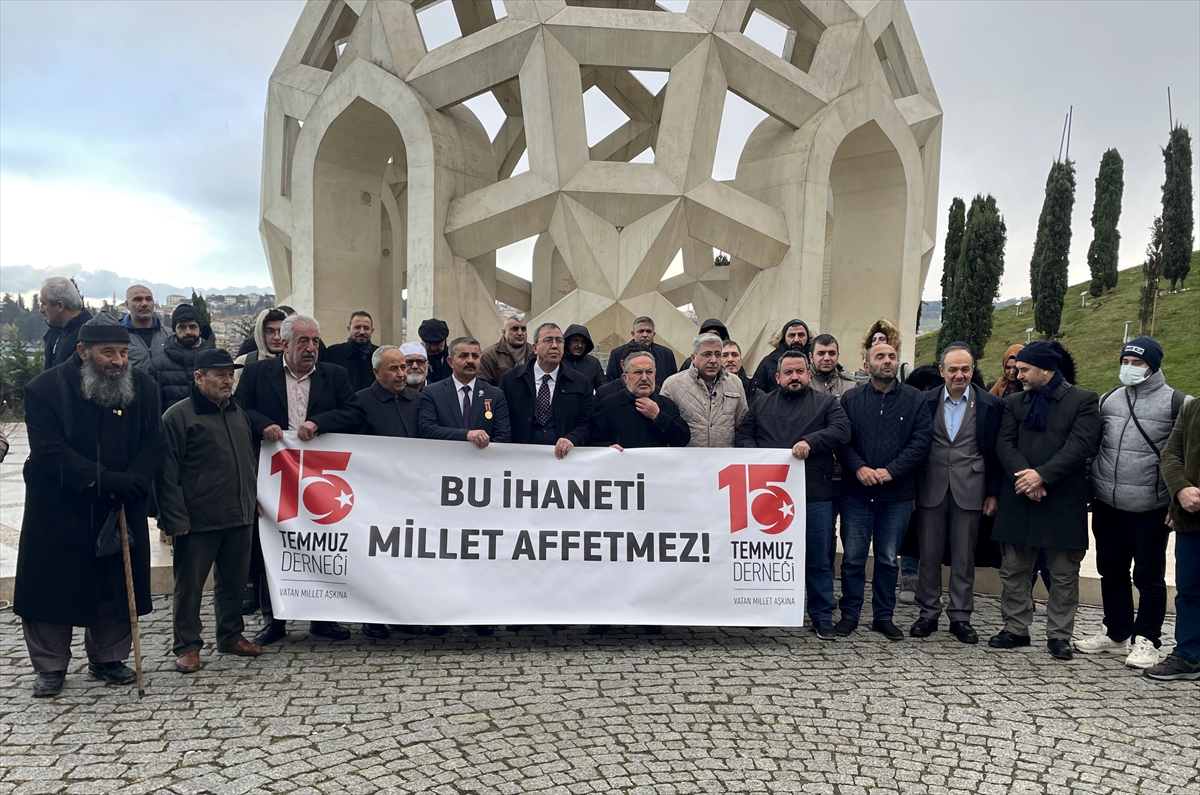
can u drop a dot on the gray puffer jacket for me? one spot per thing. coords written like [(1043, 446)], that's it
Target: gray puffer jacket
[(1125, 471), (713, 422)]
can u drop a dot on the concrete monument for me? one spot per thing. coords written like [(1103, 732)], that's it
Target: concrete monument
[(377, 178)]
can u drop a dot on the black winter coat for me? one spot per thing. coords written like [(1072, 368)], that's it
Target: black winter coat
[(60, 342), (889, 430), (587, 365), (173, 368), (572, 402), (617, 421), (374, 411), (1059, 454), (781, 419), (664, 364), (344, 355), (72, 444), (262, 392)]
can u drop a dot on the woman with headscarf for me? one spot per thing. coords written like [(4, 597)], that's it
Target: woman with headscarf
[(1007, 383)]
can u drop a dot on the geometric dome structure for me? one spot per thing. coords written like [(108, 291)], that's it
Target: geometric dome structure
[(377, 178)]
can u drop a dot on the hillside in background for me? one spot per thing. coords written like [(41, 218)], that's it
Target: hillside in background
[(1094, 334)]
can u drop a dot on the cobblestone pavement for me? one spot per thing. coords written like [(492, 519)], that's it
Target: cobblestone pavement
[(693, 710)]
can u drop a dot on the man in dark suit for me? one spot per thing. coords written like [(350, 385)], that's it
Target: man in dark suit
[(547, 403), (664, 359), (1047, 434), (385, 408), (355, 353), (462, 408), (388, 407), (957, 485), (282, 394)]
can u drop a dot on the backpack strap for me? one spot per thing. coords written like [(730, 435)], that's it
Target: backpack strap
[(1177, 399), (1142, 430)]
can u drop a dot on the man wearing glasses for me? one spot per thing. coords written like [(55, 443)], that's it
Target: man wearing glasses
[(416, 364), (511, 351), (547, 403), (636, 416)]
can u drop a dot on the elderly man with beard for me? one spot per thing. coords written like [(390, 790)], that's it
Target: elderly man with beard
[(173, 365), (283, 394), (95, 442), (207, 499), (416, 365), (813, 426), (710, 400), (891, 433)]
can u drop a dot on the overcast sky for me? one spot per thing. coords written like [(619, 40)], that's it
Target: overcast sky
[(131, 132)]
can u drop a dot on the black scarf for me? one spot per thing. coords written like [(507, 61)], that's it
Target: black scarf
[(1035, 415), (361, 350)]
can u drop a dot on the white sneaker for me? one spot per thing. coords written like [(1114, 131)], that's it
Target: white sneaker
[(1101, 643), (1144, 655)]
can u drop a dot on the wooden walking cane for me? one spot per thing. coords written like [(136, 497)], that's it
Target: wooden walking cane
[(133, 625)]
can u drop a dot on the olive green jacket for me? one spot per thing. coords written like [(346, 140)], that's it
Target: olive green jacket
[(1181, 465)]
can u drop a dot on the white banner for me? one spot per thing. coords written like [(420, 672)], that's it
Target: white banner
[(414, 531)]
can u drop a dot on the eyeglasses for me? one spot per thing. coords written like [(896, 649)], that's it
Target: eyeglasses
[(556, 341)]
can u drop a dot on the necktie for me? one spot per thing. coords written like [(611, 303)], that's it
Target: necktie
[(466, 390), (543, 401)]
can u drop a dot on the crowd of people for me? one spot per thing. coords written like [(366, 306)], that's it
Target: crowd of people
[(919, 469)]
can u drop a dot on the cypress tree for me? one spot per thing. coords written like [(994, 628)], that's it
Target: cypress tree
[(950, 256), (1048, 268), (1152, 272), (980, 265), (1177, 220), (1106, 212)]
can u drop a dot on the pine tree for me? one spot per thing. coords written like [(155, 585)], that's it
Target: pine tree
[(1152, 272), (202, 307), (1048, 268), (953, 249), (1106, 212), (968, 316), (1177, 219)]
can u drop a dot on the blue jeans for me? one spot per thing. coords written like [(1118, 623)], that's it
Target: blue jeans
[(1187, 596), (818, 573), (864, 522), (908, 566)]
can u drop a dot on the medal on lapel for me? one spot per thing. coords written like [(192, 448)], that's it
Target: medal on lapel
[(487, 407)]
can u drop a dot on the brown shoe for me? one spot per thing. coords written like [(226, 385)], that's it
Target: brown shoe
[(244, 648), (188, 663)]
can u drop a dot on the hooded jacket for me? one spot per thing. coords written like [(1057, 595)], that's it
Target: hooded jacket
[(764, 376), (142, 346), (1125, 472), (173, 366), (259, 352), (587, 365)]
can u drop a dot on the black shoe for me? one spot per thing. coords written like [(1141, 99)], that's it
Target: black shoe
[(328, 629), (115, 673), (597, 629), (271, 632), (964, 631), (483, 632), (407, 629), (1172, 669), (653, 629), (923, 628), (845, 628), (1060, 648), (435, 631), (887, 629), (249, 600), (376, 631), (1008, 640), (49, 684), (824, 629)]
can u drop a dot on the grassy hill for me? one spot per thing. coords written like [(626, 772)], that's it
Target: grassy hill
[(1094, 334)]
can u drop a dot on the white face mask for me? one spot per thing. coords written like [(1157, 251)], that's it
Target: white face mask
[(1132, 376)]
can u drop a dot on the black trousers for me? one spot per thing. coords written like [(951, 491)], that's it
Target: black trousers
[(228, 552), (1123, 539)]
